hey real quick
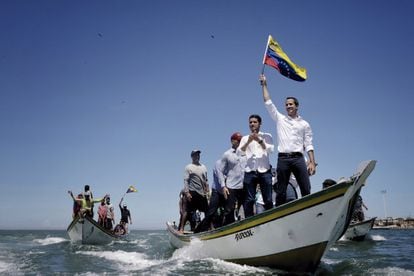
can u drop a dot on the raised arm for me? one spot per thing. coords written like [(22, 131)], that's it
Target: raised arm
[(71, 195), (263, 83)]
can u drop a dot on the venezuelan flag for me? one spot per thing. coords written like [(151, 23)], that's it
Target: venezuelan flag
[(131, 189), (276, 58)]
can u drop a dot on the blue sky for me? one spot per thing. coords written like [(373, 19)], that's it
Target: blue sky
[(117, 93)]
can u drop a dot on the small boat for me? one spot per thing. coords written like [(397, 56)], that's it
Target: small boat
[(87, 231), (292, 237), (358, 230)]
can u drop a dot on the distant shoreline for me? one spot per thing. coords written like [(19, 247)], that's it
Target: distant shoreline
[(394, 223)]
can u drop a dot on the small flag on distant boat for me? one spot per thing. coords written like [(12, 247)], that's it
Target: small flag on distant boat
[(276, 58), (131, 189)]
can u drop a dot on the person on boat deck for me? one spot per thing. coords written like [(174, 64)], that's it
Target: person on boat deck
[(294, 136), (182, 205), (76, 206), (110, 216), (231, 178), (87, 190), (217, 201), (125, 214), (291, 193), (256, 148), (102, 213), (328, 183), (120, 228), (196, 187), (86, 204), (358, 213)]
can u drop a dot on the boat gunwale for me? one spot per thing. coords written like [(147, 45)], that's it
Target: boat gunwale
[(371, 220), (95, 224), (287, 209)]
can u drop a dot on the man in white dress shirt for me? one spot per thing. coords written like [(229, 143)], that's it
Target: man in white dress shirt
[(294, 137), (256, 147)]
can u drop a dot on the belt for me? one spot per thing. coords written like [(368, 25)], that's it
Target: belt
[(290, 154), (257, 172)]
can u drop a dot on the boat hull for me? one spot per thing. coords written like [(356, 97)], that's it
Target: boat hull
[(291, 237), (87, 231), (358, 231)]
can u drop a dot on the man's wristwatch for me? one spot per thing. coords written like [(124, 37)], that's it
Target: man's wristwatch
[(260, 141)]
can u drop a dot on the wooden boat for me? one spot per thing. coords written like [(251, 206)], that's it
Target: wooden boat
[(358, 230), (292, 237), (88, 231)]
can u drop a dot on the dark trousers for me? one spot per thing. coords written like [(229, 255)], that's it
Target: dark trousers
[(251, 179), (286, 166), (108, 224), (216, 201), (197, 202), (235, 195)]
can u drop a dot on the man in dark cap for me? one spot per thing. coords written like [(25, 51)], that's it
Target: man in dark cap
[(196, 187)]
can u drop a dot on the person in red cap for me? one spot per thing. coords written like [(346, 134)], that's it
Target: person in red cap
[(227, 187), (232, 169)]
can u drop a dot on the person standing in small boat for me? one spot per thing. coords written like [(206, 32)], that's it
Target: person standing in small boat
[(196, 187), (110, 215), (294, 137), (125, 215), (86, 204), (256, 148), (102, 213), (358, 213), (87, 190)]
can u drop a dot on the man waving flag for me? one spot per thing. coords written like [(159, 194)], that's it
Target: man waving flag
[(276, 58)]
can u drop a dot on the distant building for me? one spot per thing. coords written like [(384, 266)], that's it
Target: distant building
[(390, 222)]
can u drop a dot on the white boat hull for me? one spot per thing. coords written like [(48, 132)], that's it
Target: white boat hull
[(292, 237), (87, 231), (358, 231)]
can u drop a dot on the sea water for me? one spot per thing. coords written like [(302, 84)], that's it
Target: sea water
[(384, 252)]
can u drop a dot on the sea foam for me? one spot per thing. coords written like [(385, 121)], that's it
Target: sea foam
[(391, 271), (125, 260), (376, 238), (49, 240)]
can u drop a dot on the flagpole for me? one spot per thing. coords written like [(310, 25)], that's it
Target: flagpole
[(265, 53)]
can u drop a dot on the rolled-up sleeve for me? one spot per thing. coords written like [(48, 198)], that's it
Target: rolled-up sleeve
[(308, 138), (268, 140)]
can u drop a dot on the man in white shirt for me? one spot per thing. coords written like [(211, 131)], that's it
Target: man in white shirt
[(294, 137), (256, 147)]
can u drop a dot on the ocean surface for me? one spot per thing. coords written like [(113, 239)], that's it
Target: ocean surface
[(384, 252)]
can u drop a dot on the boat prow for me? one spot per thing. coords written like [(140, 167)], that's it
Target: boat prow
[(88, 231), (357, 231), (292, 237)]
